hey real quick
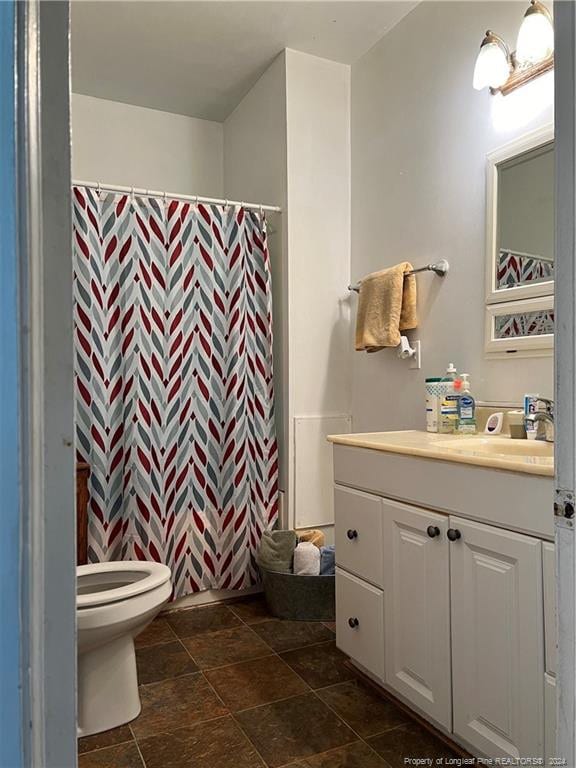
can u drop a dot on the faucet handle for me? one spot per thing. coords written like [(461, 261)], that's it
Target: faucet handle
[(548, 404)]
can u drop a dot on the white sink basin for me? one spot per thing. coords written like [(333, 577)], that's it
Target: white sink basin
[(499, 446)]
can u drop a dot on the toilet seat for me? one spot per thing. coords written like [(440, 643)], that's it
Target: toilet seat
[(100, 584)]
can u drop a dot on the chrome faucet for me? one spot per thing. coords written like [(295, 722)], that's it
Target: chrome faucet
[(544, 417)]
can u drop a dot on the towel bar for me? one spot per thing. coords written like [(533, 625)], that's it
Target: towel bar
[(440, 268)]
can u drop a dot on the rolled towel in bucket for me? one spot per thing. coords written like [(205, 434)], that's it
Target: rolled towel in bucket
[(306, 559), (277, 550), (328, 560), (315, 536)]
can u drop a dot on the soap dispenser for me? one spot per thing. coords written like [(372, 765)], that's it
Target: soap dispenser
[(466, 407)]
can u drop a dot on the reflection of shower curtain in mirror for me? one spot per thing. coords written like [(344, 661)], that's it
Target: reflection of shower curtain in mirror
[(174, 393)]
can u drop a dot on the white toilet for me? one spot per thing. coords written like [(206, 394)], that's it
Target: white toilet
[(115, 602)]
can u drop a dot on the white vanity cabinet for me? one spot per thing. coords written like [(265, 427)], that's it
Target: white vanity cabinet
[(445, 611)]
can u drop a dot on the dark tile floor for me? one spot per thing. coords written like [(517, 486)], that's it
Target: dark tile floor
[(228, 686)]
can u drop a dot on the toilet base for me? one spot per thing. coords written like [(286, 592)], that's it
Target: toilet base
[(107, 686)]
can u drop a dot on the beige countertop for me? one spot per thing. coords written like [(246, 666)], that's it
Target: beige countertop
[(498, 452)]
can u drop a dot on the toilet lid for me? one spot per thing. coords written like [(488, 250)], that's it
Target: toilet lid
[(103, 583)]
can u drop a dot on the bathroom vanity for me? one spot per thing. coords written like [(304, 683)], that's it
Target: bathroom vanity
[(445, 588)]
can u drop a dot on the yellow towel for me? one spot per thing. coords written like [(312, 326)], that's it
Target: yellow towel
[(386, 306), (313, 536)]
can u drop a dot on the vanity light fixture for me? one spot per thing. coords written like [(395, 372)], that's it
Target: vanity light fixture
[(536, 36), (494, 63), (502, 71)]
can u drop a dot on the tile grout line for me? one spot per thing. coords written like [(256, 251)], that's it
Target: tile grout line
[(298, 760), (231, 714), (286, 698), (235, 663), (168, 679), (269, 703), (215, 692), (360, 737), (310, 645), (297, 647), (220, 666), (180, 727), (107, 746), (249, 740), (138, 748)]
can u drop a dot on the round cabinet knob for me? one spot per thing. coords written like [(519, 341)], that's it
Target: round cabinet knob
[(454, 534), (353, 623), (433, 531), (352, 534)]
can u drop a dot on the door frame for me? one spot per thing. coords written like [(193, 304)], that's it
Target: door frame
[(565, 371), (12, 652), (47, 562), (47, 570)]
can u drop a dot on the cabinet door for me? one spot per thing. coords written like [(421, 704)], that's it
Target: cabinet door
[(549, 718), (549, 572), (497, 640), (358, 533), (360, 622), (417, 608)]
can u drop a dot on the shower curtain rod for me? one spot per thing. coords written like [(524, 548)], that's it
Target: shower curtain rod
[(174, 196)]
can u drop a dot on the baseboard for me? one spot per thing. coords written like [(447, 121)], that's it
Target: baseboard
[(210, 596)]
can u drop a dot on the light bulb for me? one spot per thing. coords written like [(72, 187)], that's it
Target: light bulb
[(536, 35), (492, 65)]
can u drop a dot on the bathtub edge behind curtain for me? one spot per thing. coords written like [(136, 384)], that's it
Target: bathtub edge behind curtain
[(173, 382)]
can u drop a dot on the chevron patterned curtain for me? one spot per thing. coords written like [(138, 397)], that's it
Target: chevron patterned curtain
[(174, 393)]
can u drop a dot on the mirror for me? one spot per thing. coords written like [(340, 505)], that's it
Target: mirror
[(520, 245), (525, 219)]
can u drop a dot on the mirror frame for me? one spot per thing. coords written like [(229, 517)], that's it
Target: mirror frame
[(518, 346), (528, 141)]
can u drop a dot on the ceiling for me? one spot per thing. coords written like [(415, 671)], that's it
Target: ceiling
[(201, 58)]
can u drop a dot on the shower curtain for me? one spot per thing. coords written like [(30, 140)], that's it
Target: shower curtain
[(174, 392)]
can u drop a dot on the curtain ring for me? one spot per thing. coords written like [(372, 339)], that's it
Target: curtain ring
[(165, 201), (225, 203), (132, 193), (98, 189)]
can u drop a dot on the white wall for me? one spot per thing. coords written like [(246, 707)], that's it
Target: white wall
[(255, 169), (318, 140), (420, 135), (288, 143), (134, 146)]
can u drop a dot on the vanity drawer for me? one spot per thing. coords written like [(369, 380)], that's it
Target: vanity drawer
[(358, 534), (360, 622)]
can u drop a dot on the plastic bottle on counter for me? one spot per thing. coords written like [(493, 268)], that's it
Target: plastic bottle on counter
[(449, 406), (434, 396)]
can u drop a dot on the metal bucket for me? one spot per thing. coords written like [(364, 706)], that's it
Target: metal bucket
[(300, 598)]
